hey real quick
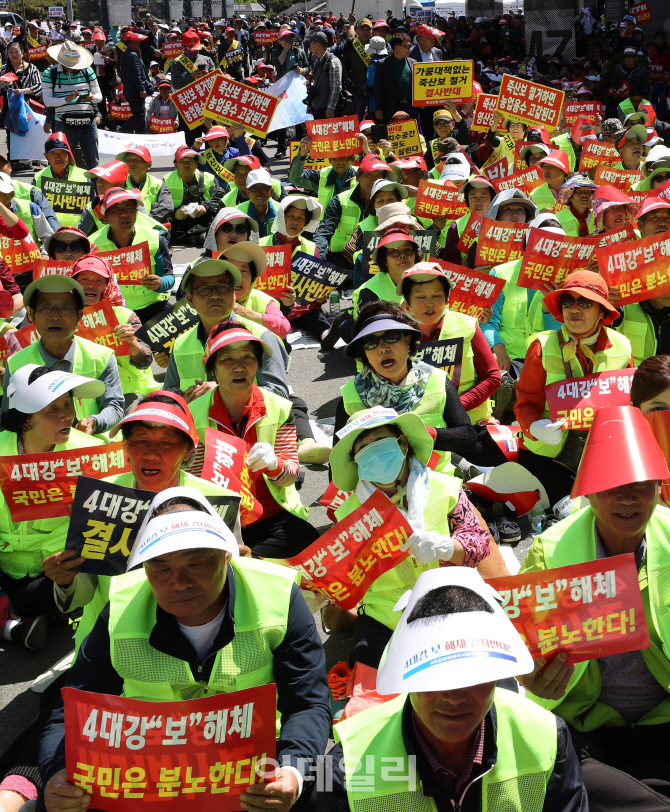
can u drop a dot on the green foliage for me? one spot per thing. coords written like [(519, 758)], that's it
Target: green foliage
[(37, 11)]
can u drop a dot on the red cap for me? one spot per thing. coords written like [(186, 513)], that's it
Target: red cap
[(366, 123), (371, 163), (166, 414), (140, 151), (659, 423), (99, 36), (115, 195), (652, 203), (191, 40), (249, 160), (557, 158), (92, 263), (215, 132), (620, 449), (422, 272), (188, 152), (10, 77), (582, 283), (581, 130), (237, 336), (415, 162), (112, 172), (427, 31), (380, 24), (401, 115), (234, 30), (133, 36)]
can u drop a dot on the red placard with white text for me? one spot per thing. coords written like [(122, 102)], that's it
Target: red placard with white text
[(97, 325), (334, 137), (619, 178), (49, 267), (161, 125), (587, 610), (232, 102), (576, 400), (499, 242), (485, 108), (120, 112), (597, 153), (435, 199), (638, 269), (574, 110), (277, 275), (42, 486), (265, 37), (529, 103), (499, 169), (21, 255), (470, 232), (472, 291), (332, 498), (190, 99), (641, 12), (347, 559), (138, 756), (130, 264), (526, 180)]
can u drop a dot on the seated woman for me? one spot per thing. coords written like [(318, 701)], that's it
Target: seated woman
[(385, 343), (397, 251), (504, 147), (509, 206), (650, 387), (230, 226), (583, 345), (97, 280), (391, 452), (265, 421), (67, 244), (383, 192), (478, 193), (577, 194), (555, 168), (39, 421), (612, 209)]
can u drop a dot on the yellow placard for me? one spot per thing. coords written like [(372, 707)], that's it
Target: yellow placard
[(312, 162), (434, 83), (404, 138)]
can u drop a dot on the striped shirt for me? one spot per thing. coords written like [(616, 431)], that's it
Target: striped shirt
[(66, 82)]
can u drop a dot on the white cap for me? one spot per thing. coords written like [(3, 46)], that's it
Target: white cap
[(180, 530), (308, 204), (29, 398), (259, 176), (6, 185), (456, 168), (445, 652), (382, 183)]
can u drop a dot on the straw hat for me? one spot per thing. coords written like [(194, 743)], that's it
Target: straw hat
[(71, 56)]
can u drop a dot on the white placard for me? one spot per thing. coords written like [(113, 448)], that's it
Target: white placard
[(196, 8), (111, 144), (119, 12), (56, 11), (176, 9)]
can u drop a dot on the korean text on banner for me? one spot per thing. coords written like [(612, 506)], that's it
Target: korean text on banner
[(641, 13), (472, 291), (97, 325), (434, 83), (161, 125), (265, 37), (232, 102), (161, 332), (587, 610), (42, 486), (595, 153), (139, 756), (485, 107), (619, 178), (130, 264), (576, 400), (21, 255), (311, 161), (530, 103), (470, 232), (499, 242), (639, 270), (574, 110), (502, 168), (348, 558), (526, 180), (332, 498), (445, 354), (404, 138), (190, 99), (314, 278), (552, 257), (35, 54), (66, 196), (334, 137), (426, 241), (277, 275), (104, 524), (49, 267), (437, 199)]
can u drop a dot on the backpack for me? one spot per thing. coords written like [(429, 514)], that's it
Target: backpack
[(78, 119)]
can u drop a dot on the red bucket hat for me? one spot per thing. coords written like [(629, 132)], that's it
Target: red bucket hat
[(582, 283)]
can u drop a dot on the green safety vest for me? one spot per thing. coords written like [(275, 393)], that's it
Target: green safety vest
[(278, 410), (133, 380), (188, 352), (21, 190), (149, 191), (262, 598), (615, 357), (142, 220), (461, 225), (425, 221), (25, 545), (24, 213), (572, 541), (349, 219), (518, 320), (638, 328), (455, 325), (303, 244), (627, 106), (382, 286), (387, 590), (564, 143), (327, 190), (136, 296), (90, 360), (569, 222), (176, 186), (526, 741), (101, 595), (74, 173), (542, 197)]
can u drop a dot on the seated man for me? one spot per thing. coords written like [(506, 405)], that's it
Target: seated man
[(260, 207), (191, 188), (240, 167), (55, 305), (150, 297), (61, 168), (155, 196), (617, 706), (455, 739), (210, 289), (339, 176), (232, 594), (26, 191)]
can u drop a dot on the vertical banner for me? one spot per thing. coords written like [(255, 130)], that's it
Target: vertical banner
[(550, 28), (119, 12), (196, 8)]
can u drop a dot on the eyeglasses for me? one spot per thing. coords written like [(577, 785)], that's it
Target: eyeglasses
[(77, 246), (406, 45), (62, 310), (566, 302), (206, 290), (389, 337), (396, 253), (239, 228), (443, 122)]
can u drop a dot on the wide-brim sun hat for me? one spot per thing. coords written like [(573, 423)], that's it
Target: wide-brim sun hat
[(249, 252), (376, 324), (213, 267), (586, 284), (53, 283)]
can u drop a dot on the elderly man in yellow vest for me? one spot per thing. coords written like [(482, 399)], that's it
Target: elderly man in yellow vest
[(149, 297), (337, 176), (450, 737), (618, 706), (55, 305), (225, 622)]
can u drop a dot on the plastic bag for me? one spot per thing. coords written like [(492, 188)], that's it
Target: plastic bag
[(18, 114)]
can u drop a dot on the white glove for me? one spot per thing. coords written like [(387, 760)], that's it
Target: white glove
[(314, 600), (262, 457), (428, 546), (546, 431)]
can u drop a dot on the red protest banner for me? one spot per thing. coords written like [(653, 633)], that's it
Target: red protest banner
[(639, 270), (552, 257), (27, 335), (641, 13), (576, 400), (97, 325), (41, 486), (619, 178), (499, 242), (574, 110), (130, 264), (21, 255), (435, 199), (640, 195), (472, 291), (265, 37), (597, 153), (482, 118), (190, 99), (161, 125), (348, 558), (499, 169), (586, 610), (120, 112), (522, 100), (48, 267), (311, 161), (332, 498), (527, 179), (656, 72), (171, 50), (277, 276), (334, 137), (659, 422), (232, 102), (133, 755), (34, 54), (470, 232), (225, 465)]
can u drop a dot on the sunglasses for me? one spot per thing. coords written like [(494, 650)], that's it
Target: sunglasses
[(77, 246), (389, 337), (240, 228), (567, 302), (406, 45)]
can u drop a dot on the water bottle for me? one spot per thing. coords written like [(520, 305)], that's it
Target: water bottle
[(535, 518), (334, 304)]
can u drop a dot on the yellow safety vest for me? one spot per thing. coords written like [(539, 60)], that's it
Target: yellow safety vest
[(455, 325), (638, 328)]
